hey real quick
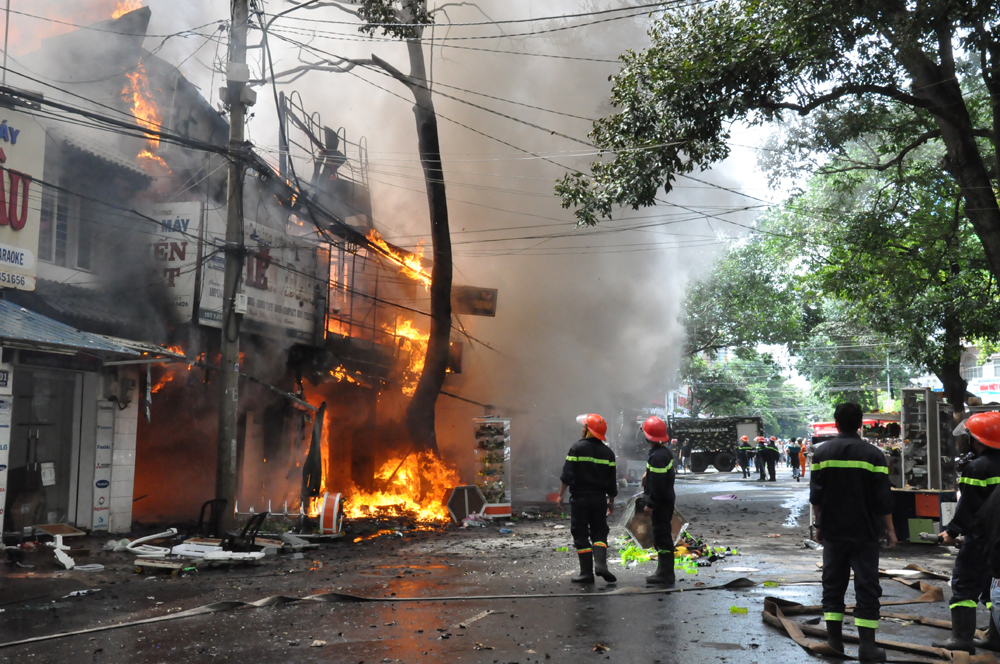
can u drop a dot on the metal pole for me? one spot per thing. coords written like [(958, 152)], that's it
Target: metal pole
[(6, 33), (229, 376)]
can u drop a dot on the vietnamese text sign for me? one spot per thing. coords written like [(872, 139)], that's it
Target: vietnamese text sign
[(22, 157), (6, 409), (102, 464), (174, 247), (280, 276), (473, 301)]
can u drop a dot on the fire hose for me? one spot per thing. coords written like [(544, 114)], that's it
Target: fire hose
[(143, 550), (336, 598)]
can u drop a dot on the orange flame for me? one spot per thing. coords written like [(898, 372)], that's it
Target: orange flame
[(417, 345), (126, 6), (410, 264), (416, 490), (138, 94)]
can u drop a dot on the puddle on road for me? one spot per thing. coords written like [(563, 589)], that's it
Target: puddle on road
[(795, 504)]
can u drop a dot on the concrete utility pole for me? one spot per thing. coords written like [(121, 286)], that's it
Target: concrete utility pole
[(236, 93)]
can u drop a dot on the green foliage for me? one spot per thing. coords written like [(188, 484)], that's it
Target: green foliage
[(394, 18), (745, 301)]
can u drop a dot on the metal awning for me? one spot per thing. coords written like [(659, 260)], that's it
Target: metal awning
[(21, 328)]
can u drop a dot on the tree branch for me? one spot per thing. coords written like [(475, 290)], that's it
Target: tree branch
[(895, 161), (323, 65), (395, 73), (842, 91)]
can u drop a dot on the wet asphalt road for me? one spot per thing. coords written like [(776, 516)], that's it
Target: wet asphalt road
[(693, 626)]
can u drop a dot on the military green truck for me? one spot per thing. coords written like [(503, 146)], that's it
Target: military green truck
[(714, 439)]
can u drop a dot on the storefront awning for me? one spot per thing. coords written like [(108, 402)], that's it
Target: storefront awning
[(24, 329)]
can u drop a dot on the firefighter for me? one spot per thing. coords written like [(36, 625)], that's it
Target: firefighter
[(658, 494), (970, 580), (771, 456), (589, 474), (794, 450), (852, 503), (761, 457), (744, 453)]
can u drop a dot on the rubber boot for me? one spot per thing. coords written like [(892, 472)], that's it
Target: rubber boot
[(835, 634), (963, 630), (586, 574), (664, 575), (601, 564), (868, 651), (992, 640)]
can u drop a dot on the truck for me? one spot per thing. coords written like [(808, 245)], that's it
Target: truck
[(714, 439)]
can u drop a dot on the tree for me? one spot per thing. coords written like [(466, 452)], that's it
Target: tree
[(897, 250), (405, 20), (746, 300), (890, 65)]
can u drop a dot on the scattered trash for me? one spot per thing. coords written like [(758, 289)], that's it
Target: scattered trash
[(731, 496), (770, 584), (506, 531), (559, 527), (738, 610), (64, 559), (600, 648), (634, 554), (740, 569), (810, 544), (563, 549), (88, 568), (773, 535), (81, 593), (317, 644), (117, 545), (475, 520), (143, 550), (480, 646)]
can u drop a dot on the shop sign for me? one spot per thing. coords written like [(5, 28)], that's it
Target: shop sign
[(6, 380), (473, 301), (6, 409), (102, 461), (22, 157), (174, 253)]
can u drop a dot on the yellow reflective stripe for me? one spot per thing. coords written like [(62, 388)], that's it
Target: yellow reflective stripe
[(584, 550), (660, 470), (603, 462), (971, 603), (834, 617), (974, 482), (862, 465), (862, 622)]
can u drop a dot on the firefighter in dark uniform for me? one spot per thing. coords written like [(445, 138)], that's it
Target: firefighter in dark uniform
[(589, 474), (970, 580), (744, 453), (852, 503), (794, 450), (659, 497), (771, 456), (761, 459)]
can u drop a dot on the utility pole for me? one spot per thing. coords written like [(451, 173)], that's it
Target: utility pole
[(237, 94)]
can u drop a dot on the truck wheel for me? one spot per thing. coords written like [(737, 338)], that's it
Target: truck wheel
[(724, 462), (699, 463)]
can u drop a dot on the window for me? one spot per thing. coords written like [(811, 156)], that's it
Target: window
[(972, 372), (63, 238)]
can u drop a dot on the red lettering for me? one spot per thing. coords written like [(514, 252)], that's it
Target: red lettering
[(17, 223), (178, 251), (257, 269), (3, 200), (171, 273)]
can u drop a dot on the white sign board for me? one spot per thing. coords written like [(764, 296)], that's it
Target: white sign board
[(102, 464), (174, 247), (6, 379), (6, 410), (22, 158), (279, 279)]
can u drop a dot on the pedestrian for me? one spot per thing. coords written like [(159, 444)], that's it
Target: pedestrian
[(760, 458), (659, 497), (686, 455), (744, 453), (852, 504), (970, 579), (802, 455), (771, 456), (589, 475), (794, 450)]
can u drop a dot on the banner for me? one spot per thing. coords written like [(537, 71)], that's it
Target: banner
[(174, 247), (22, 157)]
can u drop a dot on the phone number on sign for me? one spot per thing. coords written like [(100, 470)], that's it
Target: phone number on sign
[(15, 280)]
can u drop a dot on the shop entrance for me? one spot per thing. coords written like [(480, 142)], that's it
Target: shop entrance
[(44, 442)]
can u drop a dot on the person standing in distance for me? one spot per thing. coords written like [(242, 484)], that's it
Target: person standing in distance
[(589, 474), (794, 450), (744, 452), (971, 578), (771, 455), (850, 494), (659, 497), (686, 455)]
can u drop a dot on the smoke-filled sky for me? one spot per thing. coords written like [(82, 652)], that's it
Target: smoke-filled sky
[(587, 319)]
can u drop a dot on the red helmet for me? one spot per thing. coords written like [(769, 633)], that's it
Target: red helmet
[(655, 430), (984, 426), (673, 441), (773, 439), (595, 425), (744, 439)]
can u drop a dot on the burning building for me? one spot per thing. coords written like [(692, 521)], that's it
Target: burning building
[(131, 225)]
